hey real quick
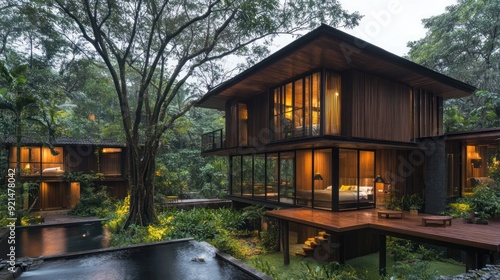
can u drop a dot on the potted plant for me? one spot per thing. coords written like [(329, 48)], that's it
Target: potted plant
[(412, 203)]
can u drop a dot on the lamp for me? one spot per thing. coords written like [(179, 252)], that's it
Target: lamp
[(476, 162), (318, 176), (379, 179)]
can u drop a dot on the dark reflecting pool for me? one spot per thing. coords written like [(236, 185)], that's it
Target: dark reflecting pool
[(55, 240), (161, 261)]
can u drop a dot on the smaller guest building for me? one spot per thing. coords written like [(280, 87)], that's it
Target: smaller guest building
[(47, 168)]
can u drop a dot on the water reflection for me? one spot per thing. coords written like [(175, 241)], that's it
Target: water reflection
[(54, 240), (165, 261)]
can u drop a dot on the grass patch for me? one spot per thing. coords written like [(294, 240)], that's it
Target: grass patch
[(369, 263), (366, 266)]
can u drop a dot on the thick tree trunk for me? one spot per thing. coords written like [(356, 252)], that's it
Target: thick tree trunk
[(142, 175)]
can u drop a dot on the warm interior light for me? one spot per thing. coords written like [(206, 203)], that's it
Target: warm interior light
[(111, 150), (91, 117)]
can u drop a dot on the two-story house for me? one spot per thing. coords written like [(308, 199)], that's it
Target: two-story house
[(48, 167), (332, 122)]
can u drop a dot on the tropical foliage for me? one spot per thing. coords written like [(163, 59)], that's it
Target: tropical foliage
[(463, 43)]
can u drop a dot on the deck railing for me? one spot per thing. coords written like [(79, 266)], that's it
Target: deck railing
[(212, 140)]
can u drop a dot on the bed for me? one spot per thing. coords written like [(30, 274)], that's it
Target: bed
[(347, 194), (52, 171)]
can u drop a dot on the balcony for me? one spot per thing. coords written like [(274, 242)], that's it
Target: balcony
[(212, 141)]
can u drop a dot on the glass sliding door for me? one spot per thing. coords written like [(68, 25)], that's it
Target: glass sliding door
[(348, 178), (366, 176), (323, 179), (356, 178), (287, 177), (259, 176), (247, 171), (272, 175), (304, 181), (236, 175)]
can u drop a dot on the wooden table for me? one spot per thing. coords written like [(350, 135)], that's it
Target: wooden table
[(390, 213), (437, 219)]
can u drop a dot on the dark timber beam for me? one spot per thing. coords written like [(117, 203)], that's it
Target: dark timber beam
[(285, 241)]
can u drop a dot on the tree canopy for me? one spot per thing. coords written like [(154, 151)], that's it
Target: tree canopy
[(464, 43), (162, 55)]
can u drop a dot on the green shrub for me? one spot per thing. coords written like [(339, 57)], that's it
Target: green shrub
[(32, 220), (416, 270), (93, 203), (330, 271), (400, 249), (264, 267), (270, 237), (116, 219)]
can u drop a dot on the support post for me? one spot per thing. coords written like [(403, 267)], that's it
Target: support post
[(382, 255), (285, 241), (342, 249)]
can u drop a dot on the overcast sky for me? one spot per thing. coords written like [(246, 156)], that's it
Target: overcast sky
[(391, 24)]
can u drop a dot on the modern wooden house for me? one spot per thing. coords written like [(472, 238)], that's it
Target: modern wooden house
[(41, 165), (332, 122)]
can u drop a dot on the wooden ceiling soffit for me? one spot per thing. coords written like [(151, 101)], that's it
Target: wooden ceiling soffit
[(327, 47)]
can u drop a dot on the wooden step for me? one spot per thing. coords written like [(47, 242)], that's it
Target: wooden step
[(324, 234), (307, 249), (311, 244), (299, 253)]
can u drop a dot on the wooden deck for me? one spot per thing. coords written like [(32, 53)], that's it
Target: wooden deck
[(472, 238)]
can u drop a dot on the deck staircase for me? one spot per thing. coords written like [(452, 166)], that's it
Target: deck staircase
[(310, 245)]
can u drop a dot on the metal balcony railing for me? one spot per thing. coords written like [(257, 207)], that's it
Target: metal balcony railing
[(211, 140)]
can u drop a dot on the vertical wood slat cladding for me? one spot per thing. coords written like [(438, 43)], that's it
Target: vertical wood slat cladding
[(259, 120), (379, 109), (232, 123), (427, 114), (403, 169)]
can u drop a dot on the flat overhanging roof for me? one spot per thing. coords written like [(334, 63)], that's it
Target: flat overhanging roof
[(327, 47)]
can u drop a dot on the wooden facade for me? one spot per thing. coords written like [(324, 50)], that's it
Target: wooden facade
[(47, 170), (317, 122)]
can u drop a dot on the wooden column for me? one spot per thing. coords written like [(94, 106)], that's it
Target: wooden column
[(382, 255), (285, 241)]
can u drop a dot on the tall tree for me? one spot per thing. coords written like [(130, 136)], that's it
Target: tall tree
[(464, 42), (154, 48)]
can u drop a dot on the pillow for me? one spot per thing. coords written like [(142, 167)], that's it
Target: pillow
[(345, 187), (354, 188), (366, 189), (328, 188)]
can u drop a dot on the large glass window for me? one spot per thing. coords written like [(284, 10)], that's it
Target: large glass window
[(296, 109), (323, 179), (287, 177), (304, 177), (272, 176), (332, 103), (247, 175), (307, 177), (236, 175), (259, 183), (36, 161), (356, 176)]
